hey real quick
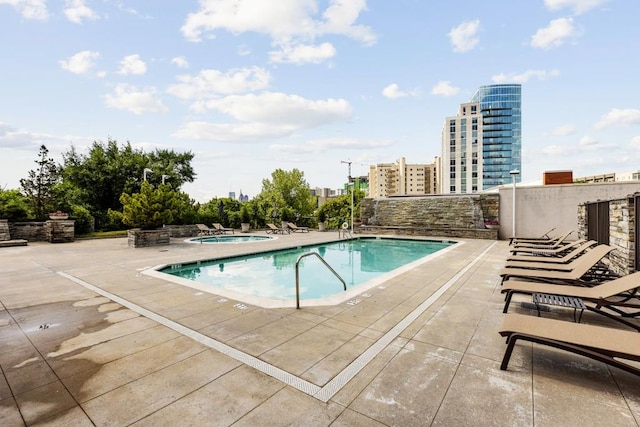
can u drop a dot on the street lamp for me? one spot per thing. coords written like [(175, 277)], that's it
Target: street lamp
[(145, 172), (514, 173), (352, 190), (164, 177)]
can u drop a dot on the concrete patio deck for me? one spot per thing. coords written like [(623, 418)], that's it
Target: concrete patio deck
[(87, 339)]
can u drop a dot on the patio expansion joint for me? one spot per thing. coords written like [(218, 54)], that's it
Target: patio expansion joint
[(323, 394)]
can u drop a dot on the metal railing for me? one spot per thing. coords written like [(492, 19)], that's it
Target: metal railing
[(298, 274)]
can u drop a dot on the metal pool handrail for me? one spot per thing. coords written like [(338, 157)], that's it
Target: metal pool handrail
[(298, 275)]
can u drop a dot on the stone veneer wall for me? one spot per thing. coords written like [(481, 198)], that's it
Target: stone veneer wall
[(450, 216), (143, 238), (621, 234), (188, 230), (4, 230), (52, 231)]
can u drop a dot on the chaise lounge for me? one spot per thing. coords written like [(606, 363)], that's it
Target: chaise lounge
[(220, 229), (607, 345), (273, 229), (587, 263), (555, 258), (295, 228), (620, 296), (203, 230)]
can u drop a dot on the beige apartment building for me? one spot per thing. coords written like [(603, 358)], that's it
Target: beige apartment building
[(401, 179)]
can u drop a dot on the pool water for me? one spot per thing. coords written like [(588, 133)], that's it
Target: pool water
[(228, 239), (272, 274)]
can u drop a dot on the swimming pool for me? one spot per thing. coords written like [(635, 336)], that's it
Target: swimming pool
[(268, 279), (228, 239)]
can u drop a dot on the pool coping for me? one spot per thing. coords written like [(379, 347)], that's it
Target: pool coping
[(270, 302)]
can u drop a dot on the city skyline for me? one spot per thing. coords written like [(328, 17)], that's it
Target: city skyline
[(309, 84)]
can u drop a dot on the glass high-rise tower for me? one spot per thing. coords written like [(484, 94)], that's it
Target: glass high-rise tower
[(500, 108)]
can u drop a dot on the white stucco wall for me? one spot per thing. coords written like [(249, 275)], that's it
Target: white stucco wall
[(543, 207)]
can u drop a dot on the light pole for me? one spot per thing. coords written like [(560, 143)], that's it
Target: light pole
[(348, 182), (145, 172), (164, 177), (514, 173)]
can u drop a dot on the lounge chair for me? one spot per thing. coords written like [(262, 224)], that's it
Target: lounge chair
[(295, 228), (573, 260), (543, 237), (546, 244), (560, 250), (220, 229), (203, 230), (607, 345), (555, 258), (273, 229), (619, 296), (585, 264)]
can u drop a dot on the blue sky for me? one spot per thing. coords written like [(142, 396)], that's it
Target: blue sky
[(254, 85)]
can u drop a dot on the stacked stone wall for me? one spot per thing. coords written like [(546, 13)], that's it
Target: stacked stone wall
[(449, 216), (52, 231), (5, 235), (144, 238), (621, 234), (189, 230)]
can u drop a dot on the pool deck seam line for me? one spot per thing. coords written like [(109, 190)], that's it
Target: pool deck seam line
[(321, 393)]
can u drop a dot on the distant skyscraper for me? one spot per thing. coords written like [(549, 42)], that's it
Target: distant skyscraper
[(481, 145)]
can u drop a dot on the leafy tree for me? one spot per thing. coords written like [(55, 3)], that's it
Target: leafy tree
[(289, 194), (98, 179), (39, 186), (14, 205), (338, 209), (150, 208)]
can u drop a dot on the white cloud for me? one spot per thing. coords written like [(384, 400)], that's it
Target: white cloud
[(578, 6), (301, 54), (243, 50), (76, 11), (444, 88), (129, 98), (132, 65), (13, 138), (463, 37), (554, 34), (29, 9), (556, 150), (180, 62), (282, 20), (635, 143), (618, 116), (268, 115), (281, 108), (525, 77), (80, 63), (588, 142), (564, 130), (393, 92), (211, 83), (322, 145)]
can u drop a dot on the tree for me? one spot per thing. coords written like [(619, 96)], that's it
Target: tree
[(13, 205), (39, 186), (150, 208), (289, 194), (98, 179)]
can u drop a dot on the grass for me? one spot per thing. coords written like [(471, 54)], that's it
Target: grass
[(103, 234)]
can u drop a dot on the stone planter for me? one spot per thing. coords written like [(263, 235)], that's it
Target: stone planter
[(139, 238), (58, 216), (244, 227), (321, 226)]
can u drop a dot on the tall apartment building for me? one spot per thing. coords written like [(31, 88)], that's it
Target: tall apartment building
[(400, 179), (481, 145)]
